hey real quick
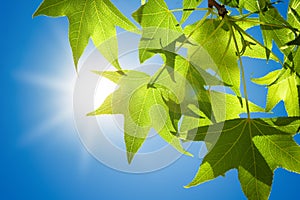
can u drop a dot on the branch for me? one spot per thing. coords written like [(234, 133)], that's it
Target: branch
[(221, 8)]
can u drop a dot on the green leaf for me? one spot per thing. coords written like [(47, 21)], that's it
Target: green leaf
[(188, 6), (279, 151), (181, 89), (282, 86), (143, 108), (96, 19), (254, 147), (161, 30), (211, 35), (214, 48), (268, 79)]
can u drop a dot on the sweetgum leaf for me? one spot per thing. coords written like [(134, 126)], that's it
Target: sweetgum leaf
[(282, 86), (160, 29), (143, 108), (96, 19), (254, 147), (214, 35), (214, 47), (187, 82)]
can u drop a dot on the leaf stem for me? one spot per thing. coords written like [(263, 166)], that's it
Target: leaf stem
[(241, 67), (155, 78), (188, 9)]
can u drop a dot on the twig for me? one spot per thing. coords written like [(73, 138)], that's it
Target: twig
[(222, 11)]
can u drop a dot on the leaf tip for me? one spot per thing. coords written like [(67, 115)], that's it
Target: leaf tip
[(186, 186), (130, 156), (96, 72), (37, 12), (91, 114), (189, 154), (76, 60), (33, 15)]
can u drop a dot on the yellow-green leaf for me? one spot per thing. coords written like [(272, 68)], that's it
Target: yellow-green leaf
[(254, 147), (96, 19)]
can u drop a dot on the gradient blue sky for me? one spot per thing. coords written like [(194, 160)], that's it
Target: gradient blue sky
[(41, 154)]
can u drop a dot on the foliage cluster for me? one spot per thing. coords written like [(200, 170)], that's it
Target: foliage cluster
[(181, 101)]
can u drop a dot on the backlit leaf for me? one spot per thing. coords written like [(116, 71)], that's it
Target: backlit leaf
[(252, 147), (216, 50), (282, 86), (160, 28), (143, 108), (96, 19)]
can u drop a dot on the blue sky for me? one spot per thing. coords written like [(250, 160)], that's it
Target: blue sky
[(42, 156)]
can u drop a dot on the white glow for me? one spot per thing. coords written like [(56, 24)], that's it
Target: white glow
[(56, 104), (104, 88)]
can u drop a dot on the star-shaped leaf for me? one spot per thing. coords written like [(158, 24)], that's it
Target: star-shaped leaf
[(282, 86), (143, 108), (96, 19), (254, 147), (160, 28), (214, 47)]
